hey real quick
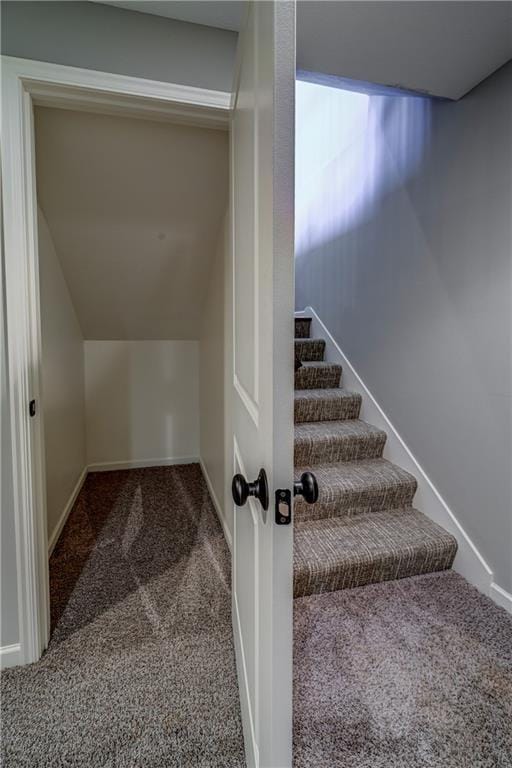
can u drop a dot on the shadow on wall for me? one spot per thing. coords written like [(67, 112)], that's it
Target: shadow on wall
[(404, 250)]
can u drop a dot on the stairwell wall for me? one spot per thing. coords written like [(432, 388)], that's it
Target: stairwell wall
[(404, 251)]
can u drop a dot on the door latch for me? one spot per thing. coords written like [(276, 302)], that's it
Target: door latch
[(283, 506)]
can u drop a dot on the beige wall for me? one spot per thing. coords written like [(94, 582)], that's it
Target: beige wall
[(213, 366), (63, 382), (134, 207), (142, 400)]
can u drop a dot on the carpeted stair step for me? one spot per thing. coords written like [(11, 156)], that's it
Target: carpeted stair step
[(302, 327), (326, 405), (308, 350), (327, 442), (353, 487), (346, 552), (318, 376)]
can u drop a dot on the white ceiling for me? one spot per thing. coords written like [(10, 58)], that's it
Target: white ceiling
[(442, 48), (134, 208)]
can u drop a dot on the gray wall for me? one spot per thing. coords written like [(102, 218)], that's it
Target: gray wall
[(8, 578), (406, 257), (101, 37)]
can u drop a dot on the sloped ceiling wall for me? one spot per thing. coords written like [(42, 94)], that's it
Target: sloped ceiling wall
[(441, 48), (134, 208)]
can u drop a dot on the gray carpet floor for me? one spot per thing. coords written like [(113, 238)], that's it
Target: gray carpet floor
[(415, 673), (140, 671)]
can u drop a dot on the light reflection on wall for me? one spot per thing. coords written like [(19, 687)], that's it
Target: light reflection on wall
[(351, 148)]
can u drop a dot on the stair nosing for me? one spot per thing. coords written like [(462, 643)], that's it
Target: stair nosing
[(371, 428), (337, 464)]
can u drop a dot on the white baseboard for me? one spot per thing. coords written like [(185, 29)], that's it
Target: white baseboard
[(53, 538), (468, 562), (109, 466), (501, 597), (216, 504), (10, 655)]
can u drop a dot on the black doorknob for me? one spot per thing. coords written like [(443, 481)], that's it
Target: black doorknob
[(307, 487), (241, 489)]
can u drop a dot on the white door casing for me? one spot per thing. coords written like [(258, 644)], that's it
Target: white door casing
[(262, 204), (25, 83)]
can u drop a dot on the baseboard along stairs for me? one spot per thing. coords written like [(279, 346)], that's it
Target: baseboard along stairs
[(363, 529)]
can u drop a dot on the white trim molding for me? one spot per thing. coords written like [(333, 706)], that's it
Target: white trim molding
[(501, 597), (468, 561), (217, 505), (111, 466), (10, 655), (56, 85), (54, 536), (25, 83), (24, 356)]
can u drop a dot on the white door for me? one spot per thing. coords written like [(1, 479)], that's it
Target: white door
[(262, 161)]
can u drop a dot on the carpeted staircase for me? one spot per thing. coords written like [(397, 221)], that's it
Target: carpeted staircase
[(363, 528)]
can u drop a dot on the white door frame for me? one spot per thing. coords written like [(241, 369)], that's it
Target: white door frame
[(25, 83)]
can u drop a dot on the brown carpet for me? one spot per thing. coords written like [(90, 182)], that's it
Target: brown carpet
[(140, 671), (414, 673)]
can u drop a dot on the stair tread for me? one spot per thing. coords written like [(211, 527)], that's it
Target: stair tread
[(309, 350), (355, 487), (318, 374), (334, 393), (318, 442), (366, 474), (302, 327), (313, 405), (339, 428), (320, 364), (344, 552)]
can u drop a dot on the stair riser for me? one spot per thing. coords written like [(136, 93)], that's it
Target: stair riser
[(336, 503), (310, 350), (302, 328), (327, 410), (330, 451), (372, 571), (312, 377)]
